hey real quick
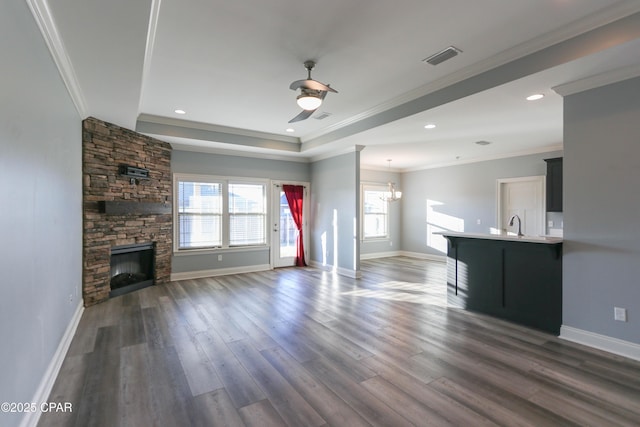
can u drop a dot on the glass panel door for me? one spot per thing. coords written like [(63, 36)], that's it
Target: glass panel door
[(284, 231), (288, 231)]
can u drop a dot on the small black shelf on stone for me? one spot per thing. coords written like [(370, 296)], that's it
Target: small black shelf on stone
[(133, 208)]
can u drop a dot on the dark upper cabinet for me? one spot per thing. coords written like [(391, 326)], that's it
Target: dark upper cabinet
[(554, 184)]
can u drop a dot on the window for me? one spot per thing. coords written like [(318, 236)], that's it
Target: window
[(247, 214), (219, 213), (374, 211), (199, 214)]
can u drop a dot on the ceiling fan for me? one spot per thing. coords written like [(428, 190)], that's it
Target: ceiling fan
[(312, 93)]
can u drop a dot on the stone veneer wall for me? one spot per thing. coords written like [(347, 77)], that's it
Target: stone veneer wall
[(104, 148)]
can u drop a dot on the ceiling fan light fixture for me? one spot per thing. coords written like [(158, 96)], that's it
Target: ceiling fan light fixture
[(308, 100)]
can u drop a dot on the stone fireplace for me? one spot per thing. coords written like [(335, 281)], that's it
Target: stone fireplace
[(124, 215)]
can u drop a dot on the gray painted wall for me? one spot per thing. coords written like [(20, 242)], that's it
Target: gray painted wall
[(335, 222), (458, 195), (601, 209), (229, 166), (40, 213), (223, 165), (394, 243)]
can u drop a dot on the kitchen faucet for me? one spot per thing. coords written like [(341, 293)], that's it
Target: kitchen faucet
[(519, 224)]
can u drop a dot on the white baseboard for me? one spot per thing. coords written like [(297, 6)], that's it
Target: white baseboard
[(316, 264), (420, 255), (31, 419), (219, 272), (376, 255), (339, 270), (601, 342), (354, 274)]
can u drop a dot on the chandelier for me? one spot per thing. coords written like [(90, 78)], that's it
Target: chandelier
[(392, 194)]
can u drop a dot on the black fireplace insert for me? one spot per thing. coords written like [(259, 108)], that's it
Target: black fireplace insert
[(132, 268)]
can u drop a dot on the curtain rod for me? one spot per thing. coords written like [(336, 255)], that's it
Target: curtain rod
[(303, 186)]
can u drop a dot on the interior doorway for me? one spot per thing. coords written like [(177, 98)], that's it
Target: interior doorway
[(524, 197)]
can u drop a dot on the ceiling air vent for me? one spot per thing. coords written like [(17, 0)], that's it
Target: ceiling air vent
[(442, 56), (322, 115)]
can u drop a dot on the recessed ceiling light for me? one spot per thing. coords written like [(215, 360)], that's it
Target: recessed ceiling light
[(429, 126), (290, 130), (179, 111), (535, 97)]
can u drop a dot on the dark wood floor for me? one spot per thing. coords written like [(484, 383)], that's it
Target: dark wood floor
[(302, 347)]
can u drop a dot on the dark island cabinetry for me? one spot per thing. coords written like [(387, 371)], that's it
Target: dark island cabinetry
[(516, 280)]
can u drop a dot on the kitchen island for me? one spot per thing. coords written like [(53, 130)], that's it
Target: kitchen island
[(507, 276)]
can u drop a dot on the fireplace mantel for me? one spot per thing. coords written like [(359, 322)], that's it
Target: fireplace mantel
[(112, 207)]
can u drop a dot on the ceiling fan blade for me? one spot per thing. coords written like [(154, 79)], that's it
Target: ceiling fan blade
[(311, 84), (305, 114)]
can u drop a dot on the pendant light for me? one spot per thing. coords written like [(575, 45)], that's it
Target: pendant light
[(392, 194)]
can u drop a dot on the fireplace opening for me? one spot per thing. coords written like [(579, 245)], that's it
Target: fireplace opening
[(132, 268)]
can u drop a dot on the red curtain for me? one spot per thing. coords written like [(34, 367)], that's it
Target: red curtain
[(294, 194)]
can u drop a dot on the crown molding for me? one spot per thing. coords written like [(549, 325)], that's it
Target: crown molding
[(545, 149), (336, 153), (184, 126), (598, 80), (167, 127), (44, 19), (236, 153), (148, 52), (381, 169)]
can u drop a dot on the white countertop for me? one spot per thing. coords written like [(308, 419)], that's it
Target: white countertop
[(503, 236)]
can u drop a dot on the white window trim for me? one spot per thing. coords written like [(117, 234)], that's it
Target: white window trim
[(224, 180), (370, 186)]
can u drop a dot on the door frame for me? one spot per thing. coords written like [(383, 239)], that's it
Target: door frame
[(274, 241), (540, 180)]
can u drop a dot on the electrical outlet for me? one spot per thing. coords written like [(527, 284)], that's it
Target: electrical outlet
[(70, 297), (478, 221), (219, 257), (620, 314), (550, 224)]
